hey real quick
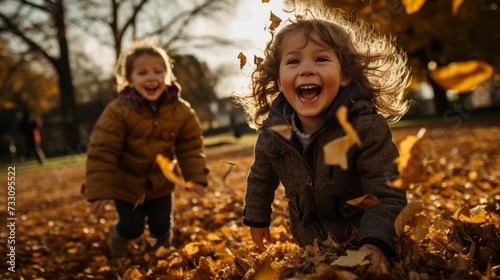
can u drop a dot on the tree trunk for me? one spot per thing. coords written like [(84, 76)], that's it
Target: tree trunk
[(67, 96)]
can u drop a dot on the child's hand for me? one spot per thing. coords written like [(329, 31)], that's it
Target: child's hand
[(199, 189), (379, 264), (261, 237), (98, 205)]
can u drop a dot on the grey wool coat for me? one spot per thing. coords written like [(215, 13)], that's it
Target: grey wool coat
[(316, 192)]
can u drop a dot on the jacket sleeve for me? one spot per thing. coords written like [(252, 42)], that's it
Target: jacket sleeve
[(106, 142), (376, 166), (262, 183), (189, 148)]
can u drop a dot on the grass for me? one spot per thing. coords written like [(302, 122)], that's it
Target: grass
[(211, 141)]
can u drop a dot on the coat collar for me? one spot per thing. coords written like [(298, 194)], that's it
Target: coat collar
[(170, 95)]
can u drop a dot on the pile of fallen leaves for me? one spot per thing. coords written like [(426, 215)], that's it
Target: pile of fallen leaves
[(450, 229)]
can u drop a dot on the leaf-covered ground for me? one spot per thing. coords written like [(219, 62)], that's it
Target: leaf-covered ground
[(454, 233)]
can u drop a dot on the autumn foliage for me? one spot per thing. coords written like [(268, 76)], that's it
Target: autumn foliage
[(449, 230)]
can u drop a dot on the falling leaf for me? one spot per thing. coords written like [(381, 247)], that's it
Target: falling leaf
[(461, 76), (364, 201), (168, 168), (284, 130), (257, 60), (412, 6), (456, 5), (265, 1), (335, 151), (231, 165), (353, 258), (275, 21), (243, 59), (407, 215), (139, 201), (411, 161)]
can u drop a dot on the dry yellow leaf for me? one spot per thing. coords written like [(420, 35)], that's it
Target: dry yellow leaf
[(132, 273), (412, 6), (476, 215), (168, 168), (243, 59), (411, 161), (139, 201), (275, 21), (364, 201), (191, 248), (335, 151), (462, 76), (455, 6), (353, 258), (407, 215), (284, 130)]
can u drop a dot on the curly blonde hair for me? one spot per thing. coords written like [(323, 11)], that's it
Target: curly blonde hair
[(374, 62), (123, 67)]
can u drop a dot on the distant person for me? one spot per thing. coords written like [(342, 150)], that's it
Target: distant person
[(148, 118), (317, 62), (30, 131)]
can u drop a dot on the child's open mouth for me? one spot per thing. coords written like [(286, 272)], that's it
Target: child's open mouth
[(309, 92), (151, 90)]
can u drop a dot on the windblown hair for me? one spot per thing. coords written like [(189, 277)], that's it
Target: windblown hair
[(374, 62), (126, 60)]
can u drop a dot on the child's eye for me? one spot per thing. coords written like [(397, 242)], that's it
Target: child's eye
[(292, 61), (322, 58)]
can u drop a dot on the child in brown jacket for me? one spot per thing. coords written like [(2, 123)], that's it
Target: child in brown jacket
[(317, 62), (148, 118)]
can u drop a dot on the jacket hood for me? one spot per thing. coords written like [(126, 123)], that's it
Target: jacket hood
[(170, 95)]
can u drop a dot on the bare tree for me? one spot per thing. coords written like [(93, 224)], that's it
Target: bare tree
[(41, 28), (113, 22)]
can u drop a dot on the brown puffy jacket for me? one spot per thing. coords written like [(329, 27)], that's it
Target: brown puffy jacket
[(316, 192), (121, 156)]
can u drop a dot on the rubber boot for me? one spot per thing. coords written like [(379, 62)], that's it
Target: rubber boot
[(117, 244)]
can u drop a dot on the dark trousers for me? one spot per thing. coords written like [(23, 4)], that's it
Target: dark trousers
[(157, 213)]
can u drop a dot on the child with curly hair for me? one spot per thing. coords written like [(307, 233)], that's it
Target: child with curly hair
[(317, 62)]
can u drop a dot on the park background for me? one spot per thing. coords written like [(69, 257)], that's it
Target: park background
[(56, 63), (58, 57)]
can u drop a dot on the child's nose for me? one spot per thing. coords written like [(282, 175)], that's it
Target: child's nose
[(307, 69)]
